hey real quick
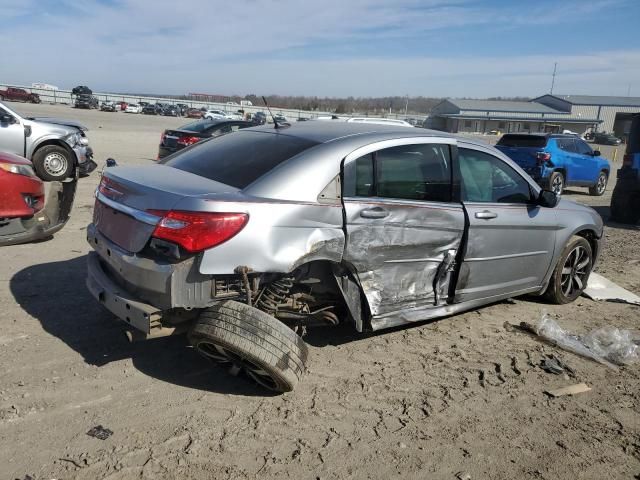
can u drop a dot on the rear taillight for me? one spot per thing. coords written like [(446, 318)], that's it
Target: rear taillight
[(542, 157), (186, 141), (627, 160), (197, 231)]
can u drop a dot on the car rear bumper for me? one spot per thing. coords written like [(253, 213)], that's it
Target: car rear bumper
[(148, 285), (165, 151)]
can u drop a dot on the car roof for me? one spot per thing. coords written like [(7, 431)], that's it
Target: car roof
[(323, 132)]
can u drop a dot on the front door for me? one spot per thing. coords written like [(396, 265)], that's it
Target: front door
[(511, 240), (586, 163), (11, 134), (403, 230)]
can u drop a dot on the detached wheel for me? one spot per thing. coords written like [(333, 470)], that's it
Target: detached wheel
[(571, 274), (601, 185), (250, 341), (53, 163), (556, 183)]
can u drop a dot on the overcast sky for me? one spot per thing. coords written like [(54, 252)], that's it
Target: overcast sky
[(327, 48)]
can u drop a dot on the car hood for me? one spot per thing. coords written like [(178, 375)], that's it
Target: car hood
[(59, 121)]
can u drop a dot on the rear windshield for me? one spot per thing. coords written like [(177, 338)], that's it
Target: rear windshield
[(240, 158), (534, 141), (199, 126)]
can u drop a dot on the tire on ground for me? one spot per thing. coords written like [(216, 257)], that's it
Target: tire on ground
[(552, 179), (593, 191), (554, 291), (41, 154), (255, 336)]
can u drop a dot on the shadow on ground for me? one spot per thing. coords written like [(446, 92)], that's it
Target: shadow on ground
[(55, 294), (605, 213)]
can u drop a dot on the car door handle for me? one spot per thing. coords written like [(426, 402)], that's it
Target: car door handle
[(486, 215), (375, 212)]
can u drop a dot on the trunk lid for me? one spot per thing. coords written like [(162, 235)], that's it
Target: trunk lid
[(171, 137), (127, 194)]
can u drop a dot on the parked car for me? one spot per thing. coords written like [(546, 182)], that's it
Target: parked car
[(625, 200), (81, 90), (173, 140), (215, 114), (108, 106), (133, 108), (379, 121), (259, 118), (182, 108), (557, 161), (170, 111), (151, 109), (85, 100), (234, 115), (18, 95), (606, 139), (55, 146), (247, 240), (194, 113)]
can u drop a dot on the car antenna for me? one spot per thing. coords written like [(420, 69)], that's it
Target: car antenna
[(275, 122)]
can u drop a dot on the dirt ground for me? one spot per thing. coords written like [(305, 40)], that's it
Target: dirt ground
[(462, 395)]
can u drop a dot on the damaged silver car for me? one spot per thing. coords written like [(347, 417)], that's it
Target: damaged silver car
[(247, 240)]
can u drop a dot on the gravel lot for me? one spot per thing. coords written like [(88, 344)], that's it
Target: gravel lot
[(463, 395)]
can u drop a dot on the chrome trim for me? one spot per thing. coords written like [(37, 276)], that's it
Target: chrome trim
[(412, 260), (139, 215), (502, 257)]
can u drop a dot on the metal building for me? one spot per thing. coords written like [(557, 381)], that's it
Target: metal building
[(613, 113), (501, 116)]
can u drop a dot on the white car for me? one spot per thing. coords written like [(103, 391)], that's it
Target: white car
[(133, 108), (215, 115), (234, 116), (379, 121)]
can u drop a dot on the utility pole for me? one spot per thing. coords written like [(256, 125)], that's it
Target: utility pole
[(406, 106), (553, 77)]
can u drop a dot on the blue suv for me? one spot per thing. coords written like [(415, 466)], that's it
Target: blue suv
[(558, 161)]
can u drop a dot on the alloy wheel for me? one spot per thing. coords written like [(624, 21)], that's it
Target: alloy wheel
[(602, 183), (557, 185), (575, 271), (237, 363)]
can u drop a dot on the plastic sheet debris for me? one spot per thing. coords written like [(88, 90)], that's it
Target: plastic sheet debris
[(100, 432), (600, 288), (608, 345)]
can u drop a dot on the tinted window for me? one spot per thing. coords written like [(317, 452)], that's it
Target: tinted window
[(566, 144), (238, 159), (583, 147), (486, 178), (199, 126), (535, 141), (412, 172)]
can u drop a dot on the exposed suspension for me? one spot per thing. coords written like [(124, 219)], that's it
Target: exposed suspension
[(274, 294)]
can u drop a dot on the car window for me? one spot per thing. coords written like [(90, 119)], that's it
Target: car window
[(583, 147), (239, 159), (486, 178), (566, 144), (411, 172), (515, 140)]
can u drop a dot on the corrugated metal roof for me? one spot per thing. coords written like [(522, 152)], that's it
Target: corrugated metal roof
[(502, 106), (521, 118), (601, 100)]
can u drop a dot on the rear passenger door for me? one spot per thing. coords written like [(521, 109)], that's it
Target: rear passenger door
[(511, 240), (403, 229)]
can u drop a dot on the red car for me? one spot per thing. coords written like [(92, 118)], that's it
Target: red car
[(23, 216), (19, 95)]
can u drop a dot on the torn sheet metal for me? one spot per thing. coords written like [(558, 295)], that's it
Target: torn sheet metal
[(600, 288), (398, 256)]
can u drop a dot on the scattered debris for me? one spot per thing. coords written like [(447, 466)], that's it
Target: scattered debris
[(100, 432), (600, 288), (607, 345), (463, 476), (570, 390), (553, 364)]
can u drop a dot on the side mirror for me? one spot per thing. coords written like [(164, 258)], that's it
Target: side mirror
[(548, 199), (596, 153), (6, 118)]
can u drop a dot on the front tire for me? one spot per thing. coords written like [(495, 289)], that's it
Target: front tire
[(53, 163), (571, 274), (250, 341), (601, 185), (556, 183)]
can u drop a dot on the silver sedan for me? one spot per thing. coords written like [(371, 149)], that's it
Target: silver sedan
[(248, 240)]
